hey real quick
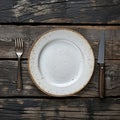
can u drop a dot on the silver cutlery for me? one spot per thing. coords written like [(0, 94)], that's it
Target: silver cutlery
[(100, 61), (19, 52)]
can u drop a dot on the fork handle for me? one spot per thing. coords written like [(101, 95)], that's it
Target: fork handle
[(19, 80)]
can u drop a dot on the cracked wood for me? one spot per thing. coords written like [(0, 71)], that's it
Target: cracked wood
[(60, 11)]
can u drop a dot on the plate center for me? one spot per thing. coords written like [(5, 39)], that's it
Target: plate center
[(60, 62)]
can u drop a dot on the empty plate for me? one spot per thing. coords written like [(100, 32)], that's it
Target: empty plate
[(61, 62)]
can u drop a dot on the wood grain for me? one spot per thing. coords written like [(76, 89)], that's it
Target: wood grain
[(33, 104), (60, 11), (60, 109), (8, 77), (31, 33)]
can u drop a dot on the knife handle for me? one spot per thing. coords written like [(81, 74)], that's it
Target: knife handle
[(102, 81)]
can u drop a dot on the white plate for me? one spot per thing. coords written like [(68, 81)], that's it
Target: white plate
[(61, 62)]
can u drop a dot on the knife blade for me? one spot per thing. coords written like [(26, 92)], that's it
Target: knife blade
[(100, 61)]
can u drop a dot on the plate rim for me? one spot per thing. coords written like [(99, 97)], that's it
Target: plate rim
[(33, 80)]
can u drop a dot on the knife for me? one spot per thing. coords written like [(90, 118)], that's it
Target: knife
[(100, 61)]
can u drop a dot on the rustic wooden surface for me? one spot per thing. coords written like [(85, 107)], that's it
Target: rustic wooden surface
[(60, 11), (8, 81), (28, 19), (31, 33), (33, 104), (60, 109)]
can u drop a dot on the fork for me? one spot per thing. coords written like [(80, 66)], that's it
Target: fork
[(19, 52)]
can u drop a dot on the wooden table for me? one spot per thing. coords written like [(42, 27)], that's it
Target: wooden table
[(29, 19)]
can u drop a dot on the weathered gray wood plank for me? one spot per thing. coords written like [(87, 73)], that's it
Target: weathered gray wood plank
[(60, 11), (8, 77), (31, 33), (60, 109)]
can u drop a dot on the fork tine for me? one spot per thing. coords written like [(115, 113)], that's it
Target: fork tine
[(15, 43), (22, 43), (19, 43)]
